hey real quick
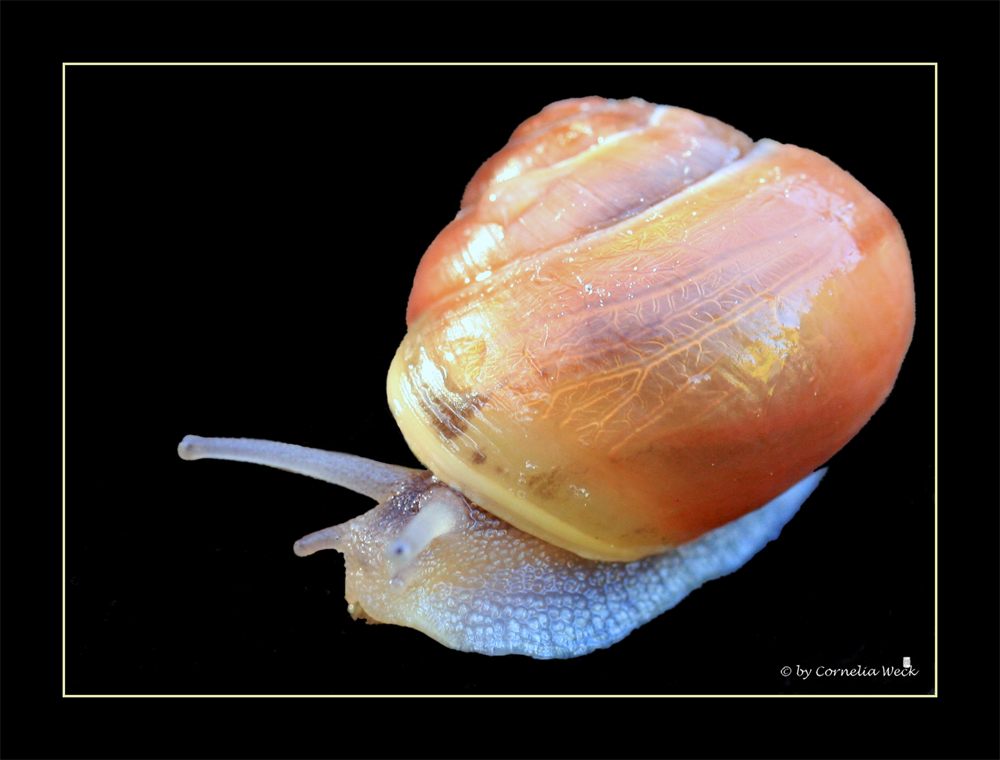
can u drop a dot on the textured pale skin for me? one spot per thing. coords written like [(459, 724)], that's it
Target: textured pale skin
[(427, 559), (487, 587), (679, 362)]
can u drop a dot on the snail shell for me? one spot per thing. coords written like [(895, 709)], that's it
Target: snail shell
[(642, 326), (626, 357)]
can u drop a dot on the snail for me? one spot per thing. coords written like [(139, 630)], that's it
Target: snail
[(626, 358)]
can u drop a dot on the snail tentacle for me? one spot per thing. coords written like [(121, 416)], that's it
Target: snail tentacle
[(442, 511), (361, 475), (493, 589), (328, 538)]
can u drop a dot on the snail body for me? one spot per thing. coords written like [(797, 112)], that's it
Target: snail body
[(625, 359)]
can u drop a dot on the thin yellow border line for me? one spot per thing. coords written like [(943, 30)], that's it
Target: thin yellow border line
[(540, 696), (499, 63), (508, 696), (936, 660), (64, 379)]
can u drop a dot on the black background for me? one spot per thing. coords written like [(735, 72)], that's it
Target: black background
[(240, 244)]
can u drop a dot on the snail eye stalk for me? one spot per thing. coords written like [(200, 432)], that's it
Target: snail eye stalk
[(364, 476)]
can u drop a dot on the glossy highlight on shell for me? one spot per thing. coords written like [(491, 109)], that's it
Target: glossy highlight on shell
[(626, 358), (637, 306)]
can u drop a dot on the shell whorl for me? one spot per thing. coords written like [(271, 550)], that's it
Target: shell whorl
[(642, 325)]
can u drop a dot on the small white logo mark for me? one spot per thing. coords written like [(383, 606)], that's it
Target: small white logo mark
[(906, 662)]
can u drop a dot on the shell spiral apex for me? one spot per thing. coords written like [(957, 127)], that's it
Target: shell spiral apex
[(626, 358)]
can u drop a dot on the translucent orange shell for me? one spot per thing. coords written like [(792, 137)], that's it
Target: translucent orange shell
[(642, 325)]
